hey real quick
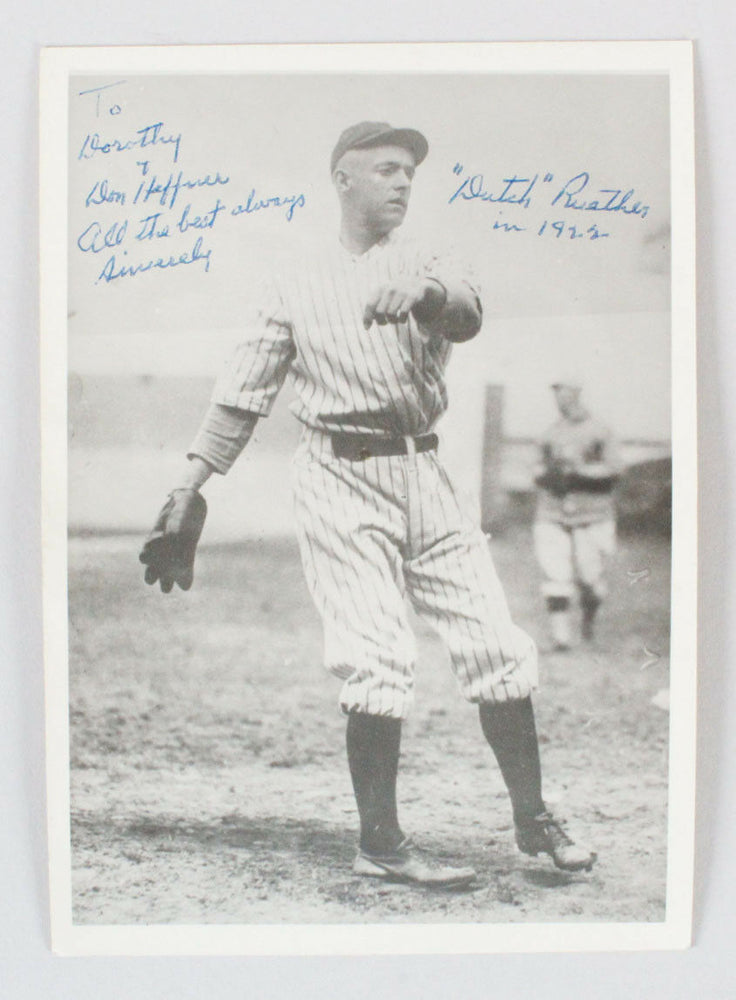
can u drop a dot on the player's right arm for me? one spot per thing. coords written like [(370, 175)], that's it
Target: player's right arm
[(195, 473), (168, 552)]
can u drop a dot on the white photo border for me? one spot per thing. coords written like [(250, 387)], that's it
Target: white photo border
[(672, 58)]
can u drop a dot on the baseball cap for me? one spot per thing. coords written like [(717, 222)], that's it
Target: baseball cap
[(567, 381), (367, 134)]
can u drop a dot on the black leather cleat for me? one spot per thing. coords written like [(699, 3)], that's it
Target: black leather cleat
[(542, 834), (409, 864)]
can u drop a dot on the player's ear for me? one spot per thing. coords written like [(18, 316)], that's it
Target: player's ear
[(341, 180)]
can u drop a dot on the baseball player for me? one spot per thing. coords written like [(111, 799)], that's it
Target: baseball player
[(575, 526), (365, 328)]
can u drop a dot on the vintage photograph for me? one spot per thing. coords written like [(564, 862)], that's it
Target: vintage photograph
[(367, 495)]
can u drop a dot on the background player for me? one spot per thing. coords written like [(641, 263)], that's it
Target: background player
[(365, 328), (575, 525)]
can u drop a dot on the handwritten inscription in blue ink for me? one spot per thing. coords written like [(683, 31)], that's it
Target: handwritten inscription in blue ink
[(167, 190), (516, 190), (155, 227), (152, 228), (291, 202), (114, 269), (160, 203), (561, 228), (508, 227), (619, 201), (518, 193), (150, 135), (112, 109), (103, 194), (206, 220), (95, 239)]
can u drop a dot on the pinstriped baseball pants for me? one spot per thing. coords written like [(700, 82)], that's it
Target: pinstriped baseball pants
[(372, 534)]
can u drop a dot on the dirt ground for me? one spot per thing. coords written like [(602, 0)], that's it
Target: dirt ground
[(208, 773)]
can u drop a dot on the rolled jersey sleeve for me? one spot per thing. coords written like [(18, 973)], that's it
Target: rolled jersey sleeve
[(255, 372), (222, 435)]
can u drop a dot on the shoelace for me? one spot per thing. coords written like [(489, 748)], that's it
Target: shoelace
[(552, 828)]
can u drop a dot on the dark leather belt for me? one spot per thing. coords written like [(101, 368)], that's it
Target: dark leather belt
[(358, 447)]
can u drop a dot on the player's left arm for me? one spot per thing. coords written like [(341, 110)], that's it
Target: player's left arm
[(454, 311), (446, 306)]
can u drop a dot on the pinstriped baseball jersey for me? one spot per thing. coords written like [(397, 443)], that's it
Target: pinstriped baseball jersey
[(388, 379)]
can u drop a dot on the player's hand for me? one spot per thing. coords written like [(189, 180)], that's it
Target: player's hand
[(393, 301), (555, 475), (168, 552), (562, 466)]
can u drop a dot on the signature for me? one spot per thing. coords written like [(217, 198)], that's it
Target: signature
[(103, 193), (515, 191), (618, 200), (577, 193), (167, 190)]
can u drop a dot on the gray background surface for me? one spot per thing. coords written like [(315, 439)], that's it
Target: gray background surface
[(27, 969)]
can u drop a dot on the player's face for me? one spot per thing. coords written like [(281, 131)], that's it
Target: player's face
[(375, 184)]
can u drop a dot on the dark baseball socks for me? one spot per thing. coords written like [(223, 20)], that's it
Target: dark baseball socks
[(589, 603), (558, 604), (511, 732), (558, 610), (373, 745)]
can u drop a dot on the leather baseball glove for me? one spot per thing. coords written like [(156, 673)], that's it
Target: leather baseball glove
[(168, 552), (555, 478)]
